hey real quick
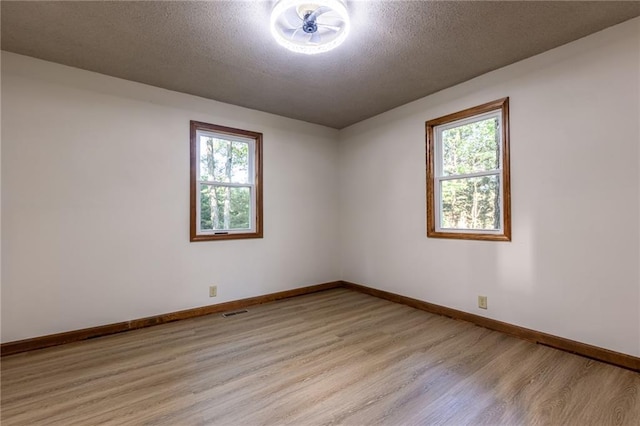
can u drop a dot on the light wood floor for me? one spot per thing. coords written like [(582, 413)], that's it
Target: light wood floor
[(335, 357)]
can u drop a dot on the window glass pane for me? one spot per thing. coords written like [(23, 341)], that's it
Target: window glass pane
[(471, 148), (223, 161), (471, 203), (224, 207)]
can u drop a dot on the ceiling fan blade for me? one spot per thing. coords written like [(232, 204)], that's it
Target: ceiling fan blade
[(319, 11), (292, 18), (290, 32), (329, 27), (315, 37)]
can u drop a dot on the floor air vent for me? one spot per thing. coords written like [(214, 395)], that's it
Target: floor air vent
[(230, 314)]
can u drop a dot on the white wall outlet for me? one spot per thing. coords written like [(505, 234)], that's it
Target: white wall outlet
[(213, 291), (482, 302)]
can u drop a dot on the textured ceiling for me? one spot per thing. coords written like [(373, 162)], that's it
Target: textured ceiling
[(398, 51)]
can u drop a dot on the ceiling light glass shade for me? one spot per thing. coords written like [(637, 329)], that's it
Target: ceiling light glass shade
[(310, 26)]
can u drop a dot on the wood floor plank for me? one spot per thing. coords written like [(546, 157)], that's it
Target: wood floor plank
[(333, 357)]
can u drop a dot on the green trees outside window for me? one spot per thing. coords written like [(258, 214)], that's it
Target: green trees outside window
[(223, 207)]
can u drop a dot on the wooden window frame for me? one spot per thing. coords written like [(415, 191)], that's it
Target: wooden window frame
[(433, 231), (257, 231)]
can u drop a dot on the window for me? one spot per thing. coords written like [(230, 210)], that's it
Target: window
[(468, 185), (226, 183)]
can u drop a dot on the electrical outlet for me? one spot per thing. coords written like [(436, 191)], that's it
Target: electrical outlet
[(213, 291), (482, 302)]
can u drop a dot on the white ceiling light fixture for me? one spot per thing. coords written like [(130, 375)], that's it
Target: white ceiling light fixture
[(310, 26)]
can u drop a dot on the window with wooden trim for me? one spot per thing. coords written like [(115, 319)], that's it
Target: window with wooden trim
[(226, 183), (468, 183)]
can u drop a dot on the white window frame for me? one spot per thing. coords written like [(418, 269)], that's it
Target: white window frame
[(250, 184), (440, 176), (435, 176)]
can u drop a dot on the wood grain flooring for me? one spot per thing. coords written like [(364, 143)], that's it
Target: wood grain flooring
[(334, 357)]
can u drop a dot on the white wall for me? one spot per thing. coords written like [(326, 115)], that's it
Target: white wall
[(572, 267), (95, 203), (95, 200)]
